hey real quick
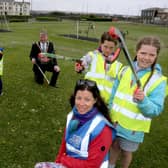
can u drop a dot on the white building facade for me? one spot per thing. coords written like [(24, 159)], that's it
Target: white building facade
[(12, 7)]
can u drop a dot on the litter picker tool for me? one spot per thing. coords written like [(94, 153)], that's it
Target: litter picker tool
[(43, 73), (116, 33), (50, 55), (78, 62)]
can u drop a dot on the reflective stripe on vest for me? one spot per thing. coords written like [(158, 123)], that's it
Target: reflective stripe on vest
[(105, 164), (125, 110), (1, 66), (154, 82), (103, 78), (83, 152)]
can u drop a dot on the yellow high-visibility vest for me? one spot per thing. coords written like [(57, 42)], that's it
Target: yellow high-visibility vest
[(1, 67), (104, 79), (125, 110)]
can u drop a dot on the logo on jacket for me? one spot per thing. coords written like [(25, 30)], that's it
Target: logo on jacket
[(75, 141)]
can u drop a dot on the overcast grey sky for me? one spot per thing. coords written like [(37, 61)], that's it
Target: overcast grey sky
[(128, 7)]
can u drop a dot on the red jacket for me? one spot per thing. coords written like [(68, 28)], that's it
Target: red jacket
[(98, 148)]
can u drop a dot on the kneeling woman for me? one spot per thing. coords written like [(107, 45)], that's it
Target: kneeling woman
[(88, 134)]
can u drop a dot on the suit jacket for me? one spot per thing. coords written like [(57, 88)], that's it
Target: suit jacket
[(35, 50)]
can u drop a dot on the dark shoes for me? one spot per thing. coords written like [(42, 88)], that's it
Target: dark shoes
[(55, 86)]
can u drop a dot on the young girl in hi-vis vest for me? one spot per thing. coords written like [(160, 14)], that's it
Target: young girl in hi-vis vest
[(132, 108)]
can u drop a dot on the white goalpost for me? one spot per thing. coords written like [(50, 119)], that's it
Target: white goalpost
[(85, 28), (4, 22)]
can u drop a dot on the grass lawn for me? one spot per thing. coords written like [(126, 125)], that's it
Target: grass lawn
[(32, 117)]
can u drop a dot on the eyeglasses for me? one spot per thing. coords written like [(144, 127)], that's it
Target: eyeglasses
[(86, 82)]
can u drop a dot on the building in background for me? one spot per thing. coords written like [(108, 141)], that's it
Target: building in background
[(155, 16), (14, 8)]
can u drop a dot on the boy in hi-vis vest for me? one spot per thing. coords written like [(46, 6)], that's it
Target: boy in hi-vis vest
[(100, 65)]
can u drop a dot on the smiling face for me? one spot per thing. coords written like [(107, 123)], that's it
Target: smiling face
[(146, 56), (107, 47), (84, 101)]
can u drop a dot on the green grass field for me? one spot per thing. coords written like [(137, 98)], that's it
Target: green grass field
[(32, 117)]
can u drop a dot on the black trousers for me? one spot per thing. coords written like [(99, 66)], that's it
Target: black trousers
[(39, 78)]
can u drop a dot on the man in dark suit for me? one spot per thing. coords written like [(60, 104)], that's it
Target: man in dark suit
[(42, 63)]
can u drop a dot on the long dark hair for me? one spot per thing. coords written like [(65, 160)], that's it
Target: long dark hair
[(91, 86), (152, 41)]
